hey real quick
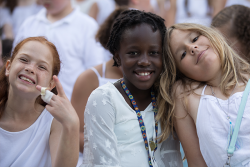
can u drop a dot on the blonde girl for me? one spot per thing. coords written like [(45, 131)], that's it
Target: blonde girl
[(201, 91)]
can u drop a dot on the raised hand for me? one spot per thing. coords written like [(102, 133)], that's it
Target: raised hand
[(60, 107)]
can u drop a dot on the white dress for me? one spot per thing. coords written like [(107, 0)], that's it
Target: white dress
[(112, 135), (29, 147), (213, 127)]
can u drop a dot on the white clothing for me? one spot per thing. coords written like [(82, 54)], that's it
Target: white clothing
[(112, 135), (102, 80), (106, 7), (213, 128), (21, 13), (5, 16), (74, 38), (198, 12), (238, 2), (84, 5), (29, 147)]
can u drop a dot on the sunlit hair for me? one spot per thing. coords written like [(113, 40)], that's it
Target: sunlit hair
[(232, 65), (4, 81)]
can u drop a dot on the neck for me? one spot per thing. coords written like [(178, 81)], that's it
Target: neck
[(138, 94), (24, 2), (115, 70), (18, 107), (216, 81), (58, 16)]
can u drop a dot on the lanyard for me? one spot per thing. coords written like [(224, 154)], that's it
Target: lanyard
[(231, 147), (153, 145)]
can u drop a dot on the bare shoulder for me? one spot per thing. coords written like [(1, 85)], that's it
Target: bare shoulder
[(187, 99)]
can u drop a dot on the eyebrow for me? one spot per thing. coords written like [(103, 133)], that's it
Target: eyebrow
[(187, 36), (29, 57)]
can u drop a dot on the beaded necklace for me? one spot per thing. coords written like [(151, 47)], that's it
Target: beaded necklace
[(153, 145)]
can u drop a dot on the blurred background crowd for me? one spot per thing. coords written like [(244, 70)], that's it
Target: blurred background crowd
[(80, 31)]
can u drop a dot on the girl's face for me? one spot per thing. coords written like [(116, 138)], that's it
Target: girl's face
[(32, 66), (140, 56), (194, 55)]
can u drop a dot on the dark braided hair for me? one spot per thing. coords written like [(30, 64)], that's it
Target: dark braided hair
[(239, 18), (129, 19)]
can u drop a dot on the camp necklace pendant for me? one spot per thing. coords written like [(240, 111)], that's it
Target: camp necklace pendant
[(153, 145)]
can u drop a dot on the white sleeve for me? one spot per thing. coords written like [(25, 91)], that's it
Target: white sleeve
[(93, 51), (99, 119), (170, 152)]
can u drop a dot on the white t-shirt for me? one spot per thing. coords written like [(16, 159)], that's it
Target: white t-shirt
[(21, 13), (29, 147), (106, 7), (238, 2), (74, 38), (213, 127), (112, 135)]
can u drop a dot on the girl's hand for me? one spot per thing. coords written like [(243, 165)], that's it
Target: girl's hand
[(60, 107)]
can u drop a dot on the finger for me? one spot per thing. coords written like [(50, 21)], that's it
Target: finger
[(38, 87), (59, 87)]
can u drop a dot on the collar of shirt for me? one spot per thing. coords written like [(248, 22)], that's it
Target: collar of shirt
[(41, 16)]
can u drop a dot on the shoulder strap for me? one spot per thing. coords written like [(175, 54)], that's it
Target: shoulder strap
[(103, 69), (231, 147), (96, 72)]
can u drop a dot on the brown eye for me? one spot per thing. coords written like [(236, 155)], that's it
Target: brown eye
[(183, 55), (195, 39)]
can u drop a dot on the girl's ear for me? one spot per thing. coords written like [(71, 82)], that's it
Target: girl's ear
[(117, 59), (7, 66), (52, 84)]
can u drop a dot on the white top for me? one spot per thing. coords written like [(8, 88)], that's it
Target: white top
[(29, 147), (21, 13), (83, 5), (102, 80), (5, 16), (238, 2), (198, 9), (213, 128), (74, 38), (106, 7), (112, 135)]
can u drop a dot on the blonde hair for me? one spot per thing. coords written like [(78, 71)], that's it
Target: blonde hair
[(232, 65)]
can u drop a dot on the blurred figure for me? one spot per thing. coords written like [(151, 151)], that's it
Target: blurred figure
[(23, 10), (234, 23), (193, 11), (96, 76), (72, 32), (83, 5), (5, 20), (101, 9), (238, 2)]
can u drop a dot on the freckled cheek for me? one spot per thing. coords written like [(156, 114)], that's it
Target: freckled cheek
[(44, 78)]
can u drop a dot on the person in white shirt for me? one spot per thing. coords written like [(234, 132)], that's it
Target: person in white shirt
[(116, 133), (72, 32), (34, 133)]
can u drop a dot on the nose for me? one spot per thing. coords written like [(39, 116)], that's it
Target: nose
[(30, 69), (144, 60), (192, 48)]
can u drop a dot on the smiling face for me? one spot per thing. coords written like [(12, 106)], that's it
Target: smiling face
[(31, 66), (140, 56), (194, 55)]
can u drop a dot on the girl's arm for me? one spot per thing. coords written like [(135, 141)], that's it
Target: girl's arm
[(99, 118), (85, 84), (64, 137), (186, 130), (94, 10)]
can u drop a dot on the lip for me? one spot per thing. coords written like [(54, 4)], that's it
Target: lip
[(200, 55), (143, 77), (34, 82)]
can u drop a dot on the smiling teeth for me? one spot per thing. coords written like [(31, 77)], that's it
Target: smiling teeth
[(144, 73), (26, 79)]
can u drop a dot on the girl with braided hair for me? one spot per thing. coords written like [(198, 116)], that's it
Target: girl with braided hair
[(120, 125)]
